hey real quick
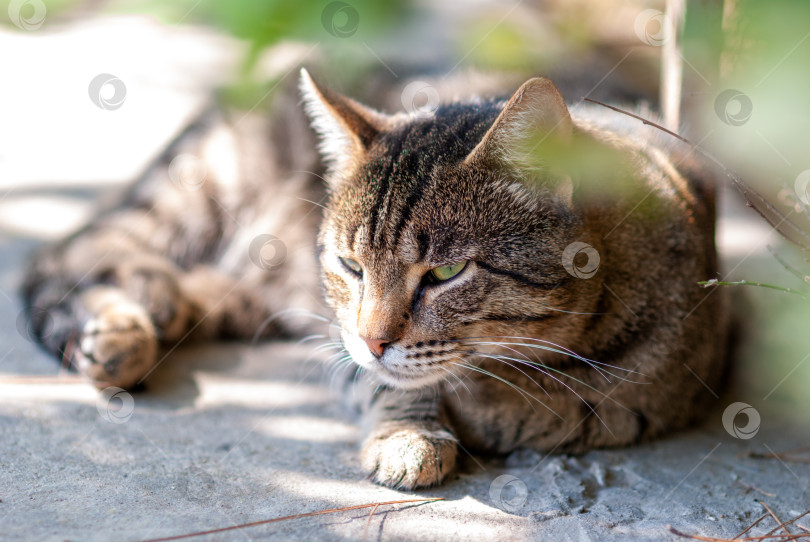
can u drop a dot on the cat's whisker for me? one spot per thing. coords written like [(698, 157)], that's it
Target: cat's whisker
[(517, 337), (544, 368), (337, 358), (311, 338), (343, 362), (541, 368), (460, 381), (526, 395), (547, 307), (323, 348), (357, 374), (377, 389), (322, 206), (367, 377), (313, 173), (541, 347), (328, 360), (555, 345), (568, 351), (528, 361), (559, 349), (284, 313), (327, 346), (523, 393), (335, 369), (603, 372), (519, 353), (338, 367), (587, 360)]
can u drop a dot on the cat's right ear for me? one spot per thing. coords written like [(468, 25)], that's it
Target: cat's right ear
[(346, 127), (531, 134), (532, 125)]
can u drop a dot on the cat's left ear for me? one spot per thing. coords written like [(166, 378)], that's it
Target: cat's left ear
[(347, 128), (531, 127)]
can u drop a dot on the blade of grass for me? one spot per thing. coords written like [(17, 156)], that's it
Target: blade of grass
[(715, 282)]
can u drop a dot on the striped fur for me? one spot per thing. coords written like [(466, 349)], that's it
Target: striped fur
[(515, 351)]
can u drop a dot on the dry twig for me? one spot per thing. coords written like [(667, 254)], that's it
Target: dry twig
[(757, 522), (770, 535), (368, 521), (773, 515), (373, 505), (783, 456)]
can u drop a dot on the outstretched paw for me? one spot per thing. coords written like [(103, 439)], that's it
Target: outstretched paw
[(118, 345), (409, 456), (156, 289)]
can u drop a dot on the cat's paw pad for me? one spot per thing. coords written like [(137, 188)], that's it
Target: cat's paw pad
[(117, 347), (409, 457)]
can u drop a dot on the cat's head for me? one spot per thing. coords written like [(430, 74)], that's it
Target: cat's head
[(443, 231)]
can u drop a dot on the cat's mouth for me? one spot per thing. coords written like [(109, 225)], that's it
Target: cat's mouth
[(402, 366)]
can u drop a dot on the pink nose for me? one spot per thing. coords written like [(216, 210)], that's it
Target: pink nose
[(376, 345)]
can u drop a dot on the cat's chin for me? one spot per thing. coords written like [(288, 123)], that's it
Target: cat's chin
[(406, 383)]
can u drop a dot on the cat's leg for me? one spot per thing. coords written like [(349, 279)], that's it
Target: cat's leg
[(103, 301), (105, 305), (149, 271), (409, 444)]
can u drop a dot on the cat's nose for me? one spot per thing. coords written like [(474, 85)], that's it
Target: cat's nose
[(377, 346)]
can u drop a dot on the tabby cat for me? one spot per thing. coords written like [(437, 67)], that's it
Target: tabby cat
[(504, 273)]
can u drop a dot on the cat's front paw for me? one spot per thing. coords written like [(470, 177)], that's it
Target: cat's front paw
[(117, 346), (409, 456)]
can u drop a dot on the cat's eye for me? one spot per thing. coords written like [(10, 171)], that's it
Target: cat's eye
[(446, 272), (352, 266)]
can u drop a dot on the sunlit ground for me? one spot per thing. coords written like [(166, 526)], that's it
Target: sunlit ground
[(230, 434)]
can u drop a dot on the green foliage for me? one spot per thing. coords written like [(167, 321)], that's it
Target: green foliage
[(265, 23)]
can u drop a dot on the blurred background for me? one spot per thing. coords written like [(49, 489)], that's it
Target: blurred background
[(93, 90)]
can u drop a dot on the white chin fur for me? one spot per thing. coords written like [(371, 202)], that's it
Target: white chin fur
[(409, 383)]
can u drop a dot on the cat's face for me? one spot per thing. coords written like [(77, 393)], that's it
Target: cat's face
[(430, 248)]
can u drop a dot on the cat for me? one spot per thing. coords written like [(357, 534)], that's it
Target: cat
[(505, 273)]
